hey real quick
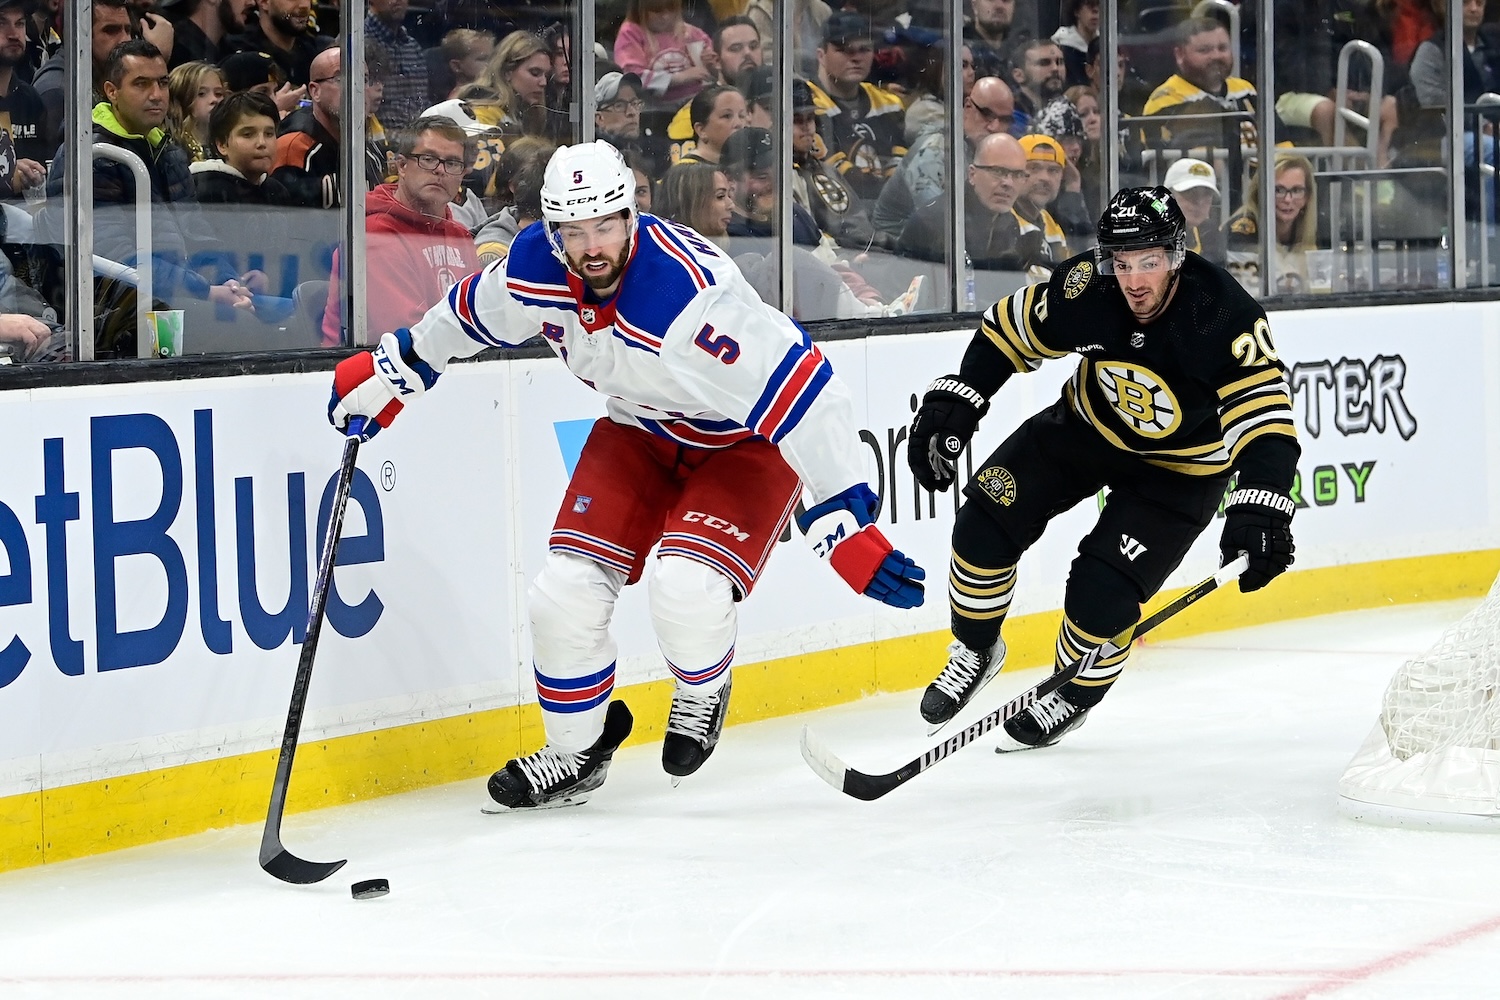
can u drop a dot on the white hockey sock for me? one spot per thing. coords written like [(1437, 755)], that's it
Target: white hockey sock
[(573, 655), (692, 609)]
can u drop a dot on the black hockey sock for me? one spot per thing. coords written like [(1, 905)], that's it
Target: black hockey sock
[(978, 599), (981, 577), (1100, 603), (1092, 684)]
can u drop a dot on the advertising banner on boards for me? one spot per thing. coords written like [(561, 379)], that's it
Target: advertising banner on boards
[(159, 539)]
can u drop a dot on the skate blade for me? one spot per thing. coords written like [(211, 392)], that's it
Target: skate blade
[(676, 780), (496, 809)]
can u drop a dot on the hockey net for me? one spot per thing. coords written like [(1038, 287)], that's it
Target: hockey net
[(1433, 758)]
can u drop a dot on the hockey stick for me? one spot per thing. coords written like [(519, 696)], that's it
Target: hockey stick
[(274, 858), (830, 768)]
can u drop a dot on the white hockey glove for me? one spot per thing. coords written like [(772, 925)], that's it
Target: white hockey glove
[(842, 530), (376, 384)]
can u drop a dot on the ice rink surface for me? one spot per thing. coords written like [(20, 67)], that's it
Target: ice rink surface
[(1185, 842)]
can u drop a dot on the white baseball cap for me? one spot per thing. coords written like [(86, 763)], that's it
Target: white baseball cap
[(460, 114), (1190, 173)]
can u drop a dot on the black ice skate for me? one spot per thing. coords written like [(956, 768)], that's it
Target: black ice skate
[(1041, 724), (967, 671), (693, 729), (550, 778)]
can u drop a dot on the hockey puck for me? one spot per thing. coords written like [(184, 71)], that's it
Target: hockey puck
[(370, 888)]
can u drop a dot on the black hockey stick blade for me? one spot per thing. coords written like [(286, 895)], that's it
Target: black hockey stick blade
[(827, 765), (275, 859)]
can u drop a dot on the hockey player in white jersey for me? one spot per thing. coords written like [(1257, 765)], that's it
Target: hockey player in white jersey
[(717, 406)]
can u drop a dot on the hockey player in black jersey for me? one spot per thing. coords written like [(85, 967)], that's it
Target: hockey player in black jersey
[(1178, 387)]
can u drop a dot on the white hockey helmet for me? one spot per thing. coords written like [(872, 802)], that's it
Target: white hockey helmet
[(586, 181)]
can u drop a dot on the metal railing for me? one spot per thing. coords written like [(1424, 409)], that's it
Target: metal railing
[(144, 268)]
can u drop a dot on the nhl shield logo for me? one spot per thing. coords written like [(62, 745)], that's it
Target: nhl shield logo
[(588, 314), (581, 504), (1137, 339)]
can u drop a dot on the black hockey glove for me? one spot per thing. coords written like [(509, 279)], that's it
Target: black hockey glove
[(950, 411), (1258, 522)]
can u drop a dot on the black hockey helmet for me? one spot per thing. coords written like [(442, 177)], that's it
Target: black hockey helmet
[(1138, 218)]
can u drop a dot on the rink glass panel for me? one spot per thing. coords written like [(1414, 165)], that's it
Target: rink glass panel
[(1400, 215)]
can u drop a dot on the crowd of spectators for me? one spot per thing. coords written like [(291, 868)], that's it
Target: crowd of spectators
[(237, 104)]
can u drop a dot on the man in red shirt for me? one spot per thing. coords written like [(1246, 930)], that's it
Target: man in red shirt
[(414, 250)]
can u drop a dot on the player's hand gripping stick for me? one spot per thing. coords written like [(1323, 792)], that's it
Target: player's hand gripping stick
[(1258, 523), (376, 384), (841, 530), (950, 410)]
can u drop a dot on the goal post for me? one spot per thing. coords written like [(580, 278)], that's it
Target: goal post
[(1433, 759)]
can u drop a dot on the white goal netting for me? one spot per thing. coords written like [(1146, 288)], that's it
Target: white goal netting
[(1433, 758)]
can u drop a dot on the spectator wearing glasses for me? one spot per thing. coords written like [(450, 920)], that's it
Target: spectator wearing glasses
[(922, 176), (414, 250), (991, 231), (486, 147), (617, 111), (1296, 220), (863, 125), (1038, 77)]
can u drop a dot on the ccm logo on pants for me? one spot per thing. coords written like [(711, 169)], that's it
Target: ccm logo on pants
[(717, 523)]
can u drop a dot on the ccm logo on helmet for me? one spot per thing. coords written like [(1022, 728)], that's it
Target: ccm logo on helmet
[(581, 201)]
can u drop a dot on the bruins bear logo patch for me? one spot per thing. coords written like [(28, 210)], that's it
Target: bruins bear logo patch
[(999, 484), (1078, 279)]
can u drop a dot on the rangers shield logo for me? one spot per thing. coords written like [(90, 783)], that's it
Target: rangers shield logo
[(581, 504)]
